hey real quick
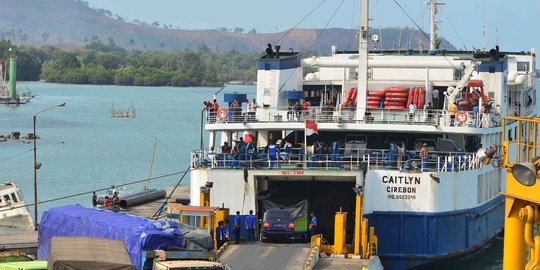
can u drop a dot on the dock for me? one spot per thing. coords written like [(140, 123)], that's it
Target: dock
[(27, 241)]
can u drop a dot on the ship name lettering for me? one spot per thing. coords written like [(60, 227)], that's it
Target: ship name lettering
[(407, 180)]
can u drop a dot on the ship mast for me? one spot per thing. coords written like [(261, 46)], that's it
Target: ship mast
[(434, 23), (361, 95)]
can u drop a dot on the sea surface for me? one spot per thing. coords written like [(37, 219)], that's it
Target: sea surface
[(82, 148)]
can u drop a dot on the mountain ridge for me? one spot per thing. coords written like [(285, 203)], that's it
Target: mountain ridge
[(72, 24)]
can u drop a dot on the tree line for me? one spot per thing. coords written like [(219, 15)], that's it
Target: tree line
[(107, 63)]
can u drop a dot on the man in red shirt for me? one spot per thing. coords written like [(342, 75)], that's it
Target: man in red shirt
[(306, 105), (215, 108)]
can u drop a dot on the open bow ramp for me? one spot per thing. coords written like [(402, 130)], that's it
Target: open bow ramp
[(268, 256)]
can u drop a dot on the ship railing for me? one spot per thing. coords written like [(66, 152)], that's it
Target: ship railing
[(319, 114), (376, 159)]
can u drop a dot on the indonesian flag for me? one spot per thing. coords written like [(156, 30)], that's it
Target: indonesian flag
[(311, 128)]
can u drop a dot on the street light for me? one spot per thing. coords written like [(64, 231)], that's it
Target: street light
[(37, 166)]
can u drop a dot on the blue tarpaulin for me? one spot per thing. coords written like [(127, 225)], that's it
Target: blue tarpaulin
[(138, 234)]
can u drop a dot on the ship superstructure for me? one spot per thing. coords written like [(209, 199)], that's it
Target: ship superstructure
[(426, 191)]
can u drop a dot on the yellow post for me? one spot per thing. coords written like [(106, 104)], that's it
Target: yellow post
[(340, 231), (357, 222), (204, 201), (365, 249), (514, 241)]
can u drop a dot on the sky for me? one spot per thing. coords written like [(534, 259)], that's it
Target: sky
[(511, 24)]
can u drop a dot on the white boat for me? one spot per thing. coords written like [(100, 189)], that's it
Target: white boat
[(424, 209), (13, 210)]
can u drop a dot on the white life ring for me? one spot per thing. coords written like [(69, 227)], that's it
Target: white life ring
[(223, 113), (461, 117)]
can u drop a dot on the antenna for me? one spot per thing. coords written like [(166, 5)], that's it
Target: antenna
[(496, 33), (434, 24), (484, 25)]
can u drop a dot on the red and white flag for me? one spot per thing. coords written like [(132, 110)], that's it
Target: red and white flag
[(311, 128)]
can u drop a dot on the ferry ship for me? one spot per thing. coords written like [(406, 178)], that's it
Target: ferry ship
[(426, 190), (13, 211)]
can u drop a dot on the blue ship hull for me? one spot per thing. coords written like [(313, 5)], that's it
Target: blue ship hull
[(411, 239)]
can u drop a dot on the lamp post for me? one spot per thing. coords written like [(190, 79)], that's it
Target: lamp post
[(36, 166)]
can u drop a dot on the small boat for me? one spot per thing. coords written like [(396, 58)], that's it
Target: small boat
[(13, 212)]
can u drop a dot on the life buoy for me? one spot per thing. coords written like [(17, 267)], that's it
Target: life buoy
[(461, 117), (223, 113)]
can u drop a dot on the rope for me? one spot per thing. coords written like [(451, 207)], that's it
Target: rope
[(160, 210), (315, 41), (417, 26), (305, 17), (90, 192), (457, 34), (12, 157)]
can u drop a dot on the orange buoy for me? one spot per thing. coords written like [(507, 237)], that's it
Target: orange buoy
[(223, 113), (461, 117)]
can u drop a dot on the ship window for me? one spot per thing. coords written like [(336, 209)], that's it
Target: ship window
[(6, 198), (14, 197), (491, 69), (523, 66), (267, 66), (509, 134)]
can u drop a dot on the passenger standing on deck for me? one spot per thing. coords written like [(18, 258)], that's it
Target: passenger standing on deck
[(412, 110), (429, 111), (269, 51), (452, 110), (273, 154), (235, 108), (298, 110), (215, 108), (313, 224), (290, 111), (236, 230), (250, 226), (435, 98), (94, 199), (306, 105)]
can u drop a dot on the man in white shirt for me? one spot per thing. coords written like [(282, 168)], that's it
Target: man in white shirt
[(412, 110)]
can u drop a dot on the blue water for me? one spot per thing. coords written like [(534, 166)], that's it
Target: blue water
[(83, 148)]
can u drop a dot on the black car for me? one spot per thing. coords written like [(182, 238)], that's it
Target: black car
[(278, 224)]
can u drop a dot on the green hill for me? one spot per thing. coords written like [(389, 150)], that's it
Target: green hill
[(72, 24)]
